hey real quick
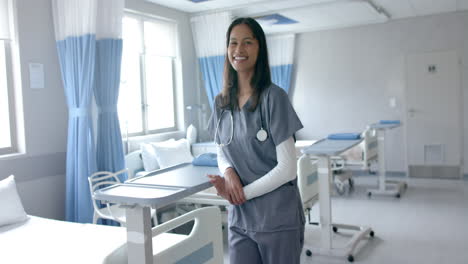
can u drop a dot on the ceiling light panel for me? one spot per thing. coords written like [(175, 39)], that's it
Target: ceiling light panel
[(192, 7), (218, 4), (276, 19)]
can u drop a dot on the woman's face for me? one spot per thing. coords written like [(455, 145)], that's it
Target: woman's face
[(242, 49)]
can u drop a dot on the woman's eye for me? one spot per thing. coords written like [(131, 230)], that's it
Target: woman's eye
[(233, 43)]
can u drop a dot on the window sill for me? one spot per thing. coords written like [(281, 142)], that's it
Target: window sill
[(12, 156), (135, 141)]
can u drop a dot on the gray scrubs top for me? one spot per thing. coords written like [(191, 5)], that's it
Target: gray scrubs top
[(280, 209)]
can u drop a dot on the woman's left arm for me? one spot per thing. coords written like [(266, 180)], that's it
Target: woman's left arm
[(282, 173)]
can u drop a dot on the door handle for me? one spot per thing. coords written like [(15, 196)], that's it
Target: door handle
[(411, 112)]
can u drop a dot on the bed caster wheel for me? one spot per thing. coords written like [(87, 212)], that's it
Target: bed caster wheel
[(371, 234), (369, 194), (397, 195), (308, 253), (335, 229), (350, 258), (340, 188), (340, 191)]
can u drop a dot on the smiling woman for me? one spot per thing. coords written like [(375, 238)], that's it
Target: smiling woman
[(259, 165)]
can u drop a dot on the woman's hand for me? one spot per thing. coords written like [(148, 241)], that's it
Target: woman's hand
[(229, 187), (219, 183), (234, 187)]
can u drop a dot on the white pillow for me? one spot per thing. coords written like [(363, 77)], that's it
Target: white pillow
[(173, 153), (11, 209), (148, 155)]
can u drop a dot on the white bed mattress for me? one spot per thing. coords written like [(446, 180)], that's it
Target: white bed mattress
[(40, 240), (351, 155)]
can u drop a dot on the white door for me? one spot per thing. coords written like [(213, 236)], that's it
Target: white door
[(434, 115)]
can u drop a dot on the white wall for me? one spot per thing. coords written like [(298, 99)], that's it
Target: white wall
[(40, 171), (343, 79)]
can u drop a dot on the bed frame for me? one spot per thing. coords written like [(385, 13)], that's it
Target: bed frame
[(42, 240)]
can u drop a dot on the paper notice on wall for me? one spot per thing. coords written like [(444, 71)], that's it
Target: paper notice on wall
[(36, 75)]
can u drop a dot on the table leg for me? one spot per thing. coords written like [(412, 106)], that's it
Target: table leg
[(324, 170), (139, 236), (381, 149)]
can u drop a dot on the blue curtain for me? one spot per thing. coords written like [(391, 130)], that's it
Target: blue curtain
[(109, 148), (77, 62), (281, 56), (212, 69), (281, 76)]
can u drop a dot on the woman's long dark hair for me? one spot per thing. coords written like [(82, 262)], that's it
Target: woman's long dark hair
[(262, 76)]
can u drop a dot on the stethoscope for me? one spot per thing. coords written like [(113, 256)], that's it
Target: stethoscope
[(262, 135)]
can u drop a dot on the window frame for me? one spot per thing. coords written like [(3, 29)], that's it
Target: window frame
[(141, 18), (9, 65)]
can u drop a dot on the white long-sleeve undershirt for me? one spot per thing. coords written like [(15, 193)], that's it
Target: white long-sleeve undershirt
[(282, 173), (223, 164)]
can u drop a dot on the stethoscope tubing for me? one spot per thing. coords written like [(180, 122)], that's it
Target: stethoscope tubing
[(220, 144), (261, 135)]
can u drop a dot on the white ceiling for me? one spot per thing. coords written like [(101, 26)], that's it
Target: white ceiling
[(315, 15)]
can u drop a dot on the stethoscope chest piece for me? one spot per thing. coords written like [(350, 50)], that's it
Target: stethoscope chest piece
[(262, 135)]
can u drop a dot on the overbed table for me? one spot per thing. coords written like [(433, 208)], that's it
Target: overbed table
[(324, 149), (398, 186), (155, 189)]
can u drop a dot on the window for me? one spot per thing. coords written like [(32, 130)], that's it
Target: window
[(7, 117), (147, 87), (5, 133)]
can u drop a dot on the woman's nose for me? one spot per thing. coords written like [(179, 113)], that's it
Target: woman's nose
[(239, 48)]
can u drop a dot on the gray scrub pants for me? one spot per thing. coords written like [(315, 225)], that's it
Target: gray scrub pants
[(280, 247)]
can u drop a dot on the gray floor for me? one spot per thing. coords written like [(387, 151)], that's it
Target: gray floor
[(426, 225)]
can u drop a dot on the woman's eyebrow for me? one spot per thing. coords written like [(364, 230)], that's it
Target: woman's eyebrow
[(243, 38)]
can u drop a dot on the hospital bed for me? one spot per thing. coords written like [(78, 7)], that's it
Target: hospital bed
[(324, 149), (305, 166), (337, 164), (154, 190), (397, 187), (134, 161), (134, 164), (307, 182), (363, 156), (41, 240)]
